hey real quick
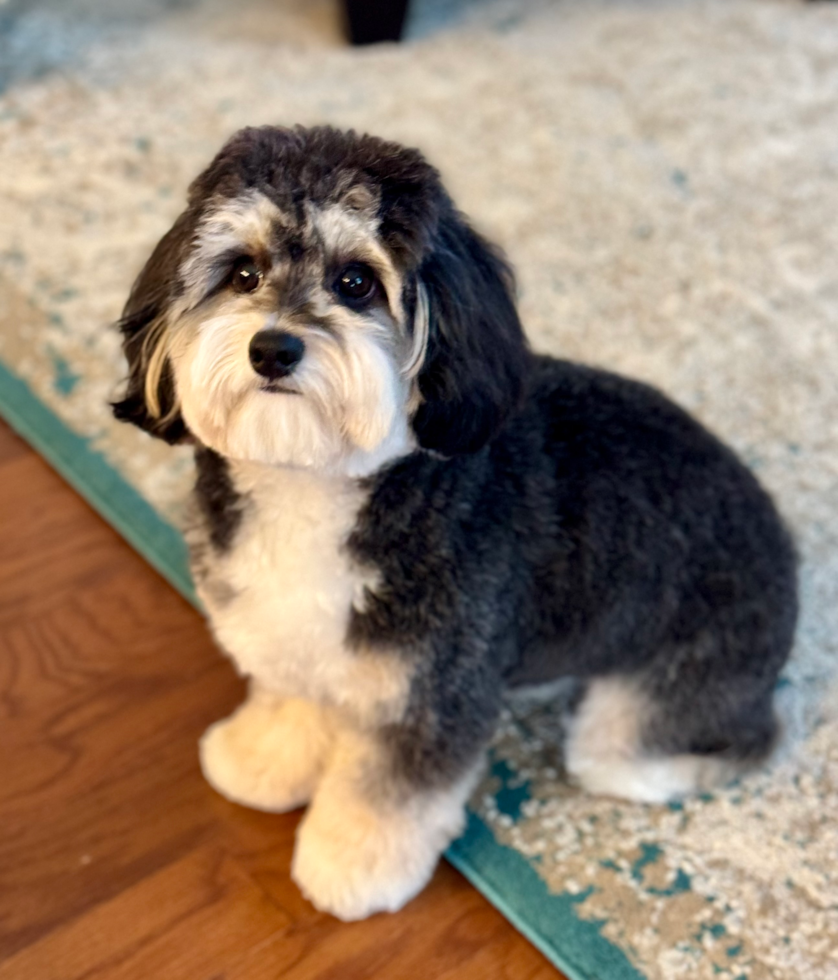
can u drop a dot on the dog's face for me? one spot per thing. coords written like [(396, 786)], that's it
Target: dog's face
[(321, 303), (289, 342)]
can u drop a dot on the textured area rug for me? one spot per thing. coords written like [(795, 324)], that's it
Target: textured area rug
[(663, 176)]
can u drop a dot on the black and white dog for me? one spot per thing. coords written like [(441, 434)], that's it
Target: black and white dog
[(401, 514)]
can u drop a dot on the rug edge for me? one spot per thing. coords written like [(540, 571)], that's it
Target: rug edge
[(545, 911), (97, 482)]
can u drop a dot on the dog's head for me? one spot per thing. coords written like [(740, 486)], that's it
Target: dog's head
[(322, 303)]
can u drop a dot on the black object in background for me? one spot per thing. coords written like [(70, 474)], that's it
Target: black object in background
[(370, 21)]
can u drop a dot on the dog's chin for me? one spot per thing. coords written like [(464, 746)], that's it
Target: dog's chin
[(273, 426), (279, 426)]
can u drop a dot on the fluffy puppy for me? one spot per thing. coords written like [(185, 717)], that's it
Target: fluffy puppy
[(401, 514)]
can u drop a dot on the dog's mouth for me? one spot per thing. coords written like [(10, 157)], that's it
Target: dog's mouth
[(275, 388)]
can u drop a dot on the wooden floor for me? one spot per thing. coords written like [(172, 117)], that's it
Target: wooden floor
[(117, 860)]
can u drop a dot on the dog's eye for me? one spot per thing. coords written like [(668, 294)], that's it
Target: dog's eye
[(356, 285), (245, 276)]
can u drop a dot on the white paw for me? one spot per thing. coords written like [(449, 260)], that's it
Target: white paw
[(356, 862), (652, 780), (268, 755)]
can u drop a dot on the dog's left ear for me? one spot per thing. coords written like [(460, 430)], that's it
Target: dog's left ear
[(477, 356), (150, 400)]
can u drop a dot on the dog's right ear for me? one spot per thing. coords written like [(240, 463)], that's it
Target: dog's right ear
[(477, 358), (150, 400)]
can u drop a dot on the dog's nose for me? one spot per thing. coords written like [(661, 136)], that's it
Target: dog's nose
[(275, 353)]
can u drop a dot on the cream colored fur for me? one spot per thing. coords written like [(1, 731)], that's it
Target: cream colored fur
[(270, 753)]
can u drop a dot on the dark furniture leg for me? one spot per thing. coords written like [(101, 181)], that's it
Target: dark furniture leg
[(370, 21)]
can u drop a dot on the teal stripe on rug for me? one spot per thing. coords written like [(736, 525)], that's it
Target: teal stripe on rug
[(576, 946)]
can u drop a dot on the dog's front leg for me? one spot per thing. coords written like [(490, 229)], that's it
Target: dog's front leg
[(370, 840), (270, 753)]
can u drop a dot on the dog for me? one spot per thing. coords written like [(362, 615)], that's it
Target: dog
[(402, 514)]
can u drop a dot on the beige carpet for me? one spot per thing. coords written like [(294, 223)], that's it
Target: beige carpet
[(664, 177)]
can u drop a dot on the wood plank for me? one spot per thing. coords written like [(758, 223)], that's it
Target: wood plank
[(11, 445), (185, 920), (52, 541), (448, 931)]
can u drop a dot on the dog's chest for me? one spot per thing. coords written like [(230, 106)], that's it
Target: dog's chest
[(280, 596)]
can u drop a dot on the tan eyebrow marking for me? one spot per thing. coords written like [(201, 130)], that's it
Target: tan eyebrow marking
[(242, 225), (353, 236)]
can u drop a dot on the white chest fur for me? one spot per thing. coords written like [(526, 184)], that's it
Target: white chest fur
[(280, 599)]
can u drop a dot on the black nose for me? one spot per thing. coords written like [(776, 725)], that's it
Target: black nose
[(275, 354)]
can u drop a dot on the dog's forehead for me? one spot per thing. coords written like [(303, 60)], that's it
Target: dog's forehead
[(257, 221), (343, 231)]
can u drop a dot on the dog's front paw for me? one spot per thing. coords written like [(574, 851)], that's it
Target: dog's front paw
[(269, 754), (354, 856), (354, 868)]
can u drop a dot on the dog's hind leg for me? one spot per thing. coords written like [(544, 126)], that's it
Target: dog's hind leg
[(628, 739)]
